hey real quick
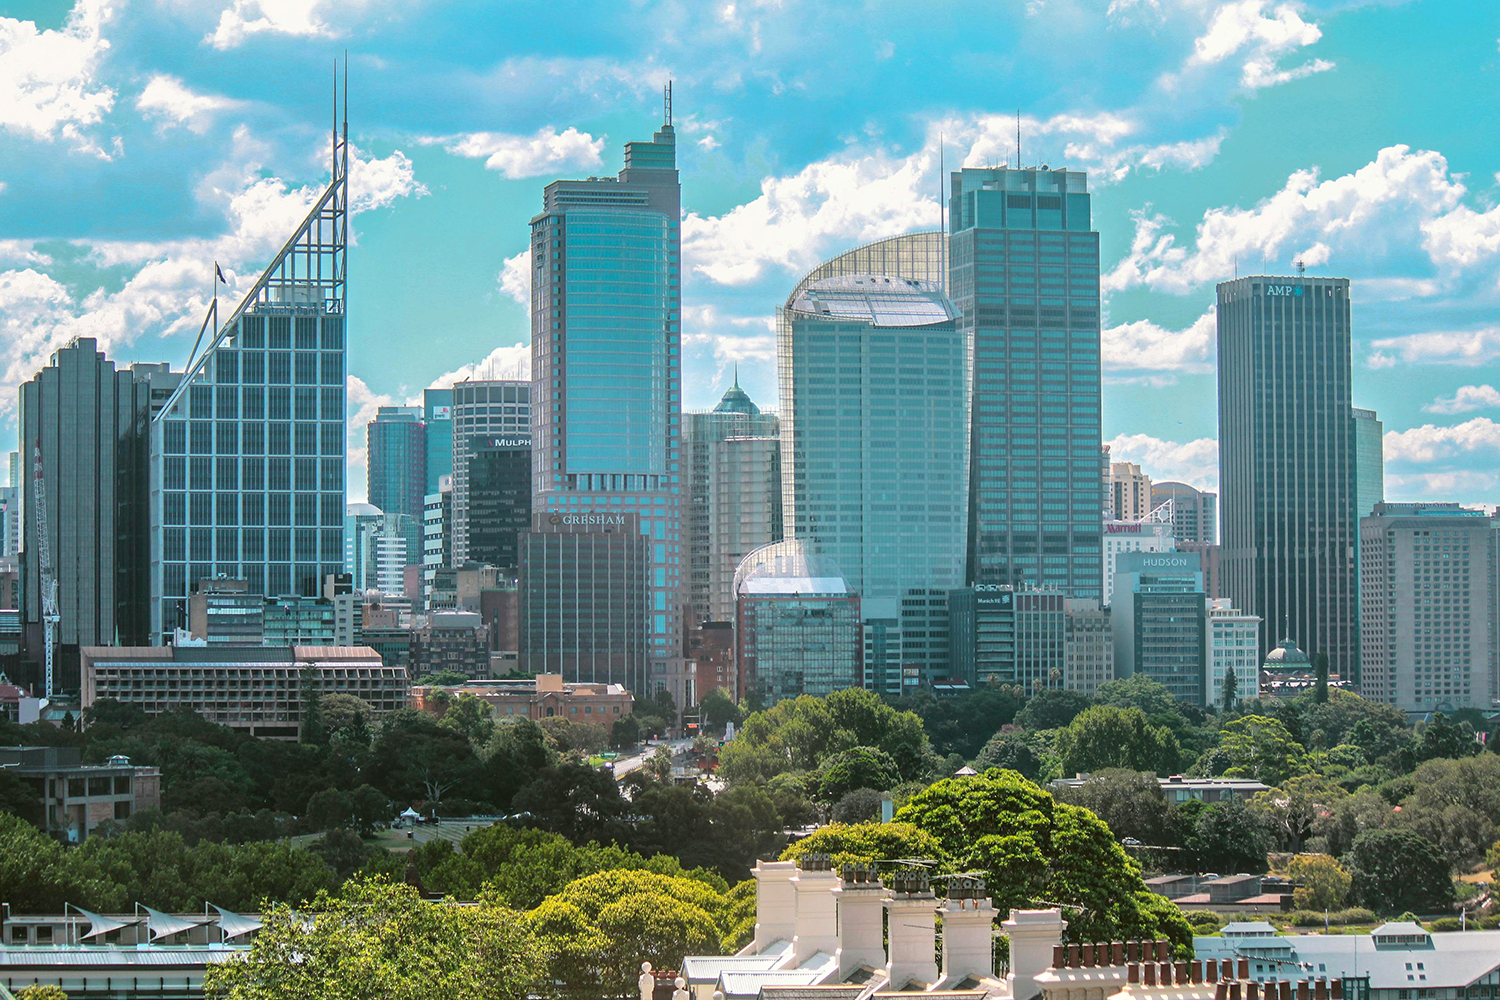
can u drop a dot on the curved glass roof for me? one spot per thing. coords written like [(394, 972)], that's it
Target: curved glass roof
[(881, 300)]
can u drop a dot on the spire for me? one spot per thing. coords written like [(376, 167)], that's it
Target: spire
[(736, 374)]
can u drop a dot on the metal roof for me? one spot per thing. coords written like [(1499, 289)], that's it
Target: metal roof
[(116, 956), (881, 300)]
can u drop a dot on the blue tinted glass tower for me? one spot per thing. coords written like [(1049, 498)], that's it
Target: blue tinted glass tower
[(1024, 274), (606, 372)]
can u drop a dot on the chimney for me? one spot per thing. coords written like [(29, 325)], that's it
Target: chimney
[(815, 911), (861, 919), (968, 931), (775, 903), (911, 927), (1032, 935)]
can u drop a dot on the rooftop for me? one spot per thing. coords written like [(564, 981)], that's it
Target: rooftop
[(880, 300)]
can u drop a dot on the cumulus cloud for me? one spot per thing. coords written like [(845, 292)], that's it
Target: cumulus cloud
[(1259, 35), (362, 403), (730, 339), (515, 278), (1468, 397), (1193, 462), (518, 156), (513, 362), (1469, 348), (1432, 444), (169, 100), (1143, 344), (49, 85), (244, 19)]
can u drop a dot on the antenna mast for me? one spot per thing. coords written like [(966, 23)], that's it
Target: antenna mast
[(942, 219), (666, 101), (1018, 138)]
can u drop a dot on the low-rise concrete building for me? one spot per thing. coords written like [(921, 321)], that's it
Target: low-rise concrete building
[(75, 797), (544, 696)]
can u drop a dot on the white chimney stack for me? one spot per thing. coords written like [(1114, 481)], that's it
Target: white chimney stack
[(815, 921), (775, 903), (968, 931), (861, 919), (1033, 933), (911, 929)]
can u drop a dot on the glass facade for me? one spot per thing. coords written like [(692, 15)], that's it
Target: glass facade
[(1286, 461), (1024, 274), (1369, 461), (499, 499), (1159, 620), (606, 368), (1011, 636), (481, 410), (396, 462), (437, 414)]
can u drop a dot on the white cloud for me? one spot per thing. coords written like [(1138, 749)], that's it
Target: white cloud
[(1259, 35), (730, 339), (518, 156), (169, 99), (1448, 485), (21, 251), (1383, 207), (1143, 344), (1466, 398), (1431, 444), (512, 362), (362, 403), (1469, 348), (49, 84), (515, 278), (377, 182), (294, 18), (708, 143), (1193, 462)]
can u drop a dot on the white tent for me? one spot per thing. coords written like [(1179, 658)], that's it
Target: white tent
[(411, 813), (232, 924), (99, 924), (160, 924)]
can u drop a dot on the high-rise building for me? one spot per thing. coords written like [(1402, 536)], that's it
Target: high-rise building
[(437, 417), (732, 467), (248, 452), (1194, 513), (1007, 635), (1286, 459), (499, 499), (1159, 621), (359, 518), (387, 547), (437, 540), (223, 612), (1233, 645), (1428, 603), (1369, 461), (396, 461), (873, 372), (1129, 492), (87, 421), (1088, 646), (1025, 278), (797, 624), (606, 362), (482, 411), (1131, 536)]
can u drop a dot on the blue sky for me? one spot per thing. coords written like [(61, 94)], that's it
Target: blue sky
[(142, 139)]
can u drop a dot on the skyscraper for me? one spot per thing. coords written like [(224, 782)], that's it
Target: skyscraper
[(88, 421), (248, 452), (1286, 460), (396, 462), (873, 404), (1159, 621), (499, 499), (732, 468), (437, 415), (1369, 461), (482, 410), (1194, 512), (1024, 274), (1129, 492), (606, 361)]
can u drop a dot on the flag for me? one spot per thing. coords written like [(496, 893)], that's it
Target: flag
[(219, 274)]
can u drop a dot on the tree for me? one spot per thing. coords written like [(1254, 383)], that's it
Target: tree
[(1131, 803), (416, 759), (1226, 837), (314, 730), (719, 709), (626, 732), (1396, 870), (1324, 882), (859, 806), (857, 767), (581, 803), (1052, 708), (1108, 737), (1258, 747), (367, 807), (963, 724), (1445, 738), (1231, 693), (566, 735), (1295, 810), (37, 992), (867, 843), (1320, 671), (1033, 848), (329, 809), (470, 717), (378, 940), (340, 709), (344, 851), (19, 798), (1023, 752), (1162, 708), (796, 734)]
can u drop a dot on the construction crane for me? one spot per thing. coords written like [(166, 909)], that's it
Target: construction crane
[(50, 616)]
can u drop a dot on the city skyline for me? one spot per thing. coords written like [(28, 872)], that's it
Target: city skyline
[(1393, 198)]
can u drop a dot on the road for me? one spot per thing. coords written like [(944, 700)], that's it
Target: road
[(624, 765)]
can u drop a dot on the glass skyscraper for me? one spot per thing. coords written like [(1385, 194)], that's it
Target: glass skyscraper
[(396, 460), (481, 410), (1369, 462), (607, 369), (1286, 461), (1024, 274), (247, 454), (437, 414)]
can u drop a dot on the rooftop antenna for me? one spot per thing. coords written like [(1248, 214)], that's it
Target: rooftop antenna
[(942, 219), (1018, 138), (666, 94), (1301, 267), (335, 136)]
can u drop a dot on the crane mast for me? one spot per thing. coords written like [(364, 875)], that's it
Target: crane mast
[(50, 616)]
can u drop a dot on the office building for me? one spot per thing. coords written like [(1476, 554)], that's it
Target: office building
[(358, 519), (1193, 513), (1129, 492), (396, 460), (11, 538), (437, 539), (1158, 621), (437, 418), (1286, 459), (303, 621), (586, 600), (260, 690), (1132, 536), (606, 360), (387, 545), (223, 612), (1428, 605), (732, 467), (1233, 645), (1024, 274), (1210, 557), (1369, 461), (248, 451), (451, 642), (87, 421), (711, 649), (75, 798), (482, 411), (1088, 646), (499, 499), (797, 624), (1007, 635), (873, 372)]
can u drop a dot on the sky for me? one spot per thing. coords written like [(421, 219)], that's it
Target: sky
[(141, 140)]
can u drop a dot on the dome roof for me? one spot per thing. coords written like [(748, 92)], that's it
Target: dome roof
[(1287, 655), (736, 400), (363, 510)]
